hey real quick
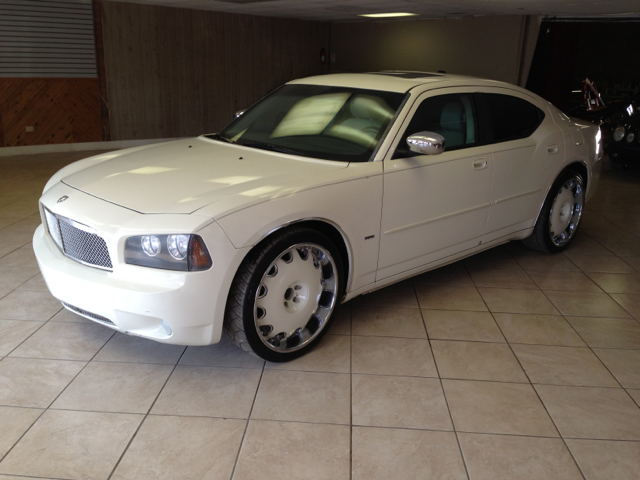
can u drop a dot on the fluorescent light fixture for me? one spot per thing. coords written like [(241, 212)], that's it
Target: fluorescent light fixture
[(388, 15)]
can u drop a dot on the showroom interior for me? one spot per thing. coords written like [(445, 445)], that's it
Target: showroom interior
[(508, 364)]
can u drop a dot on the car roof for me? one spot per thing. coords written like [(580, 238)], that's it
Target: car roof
[(397, 81)]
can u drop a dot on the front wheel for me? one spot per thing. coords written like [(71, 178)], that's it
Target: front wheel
[(560, 216), (284, 294)]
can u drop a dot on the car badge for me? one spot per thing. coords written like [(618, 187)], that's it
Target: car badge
[(62, 199)]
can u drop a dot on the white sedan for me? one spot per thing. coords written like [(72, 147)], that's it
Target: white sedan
[(328, 188)]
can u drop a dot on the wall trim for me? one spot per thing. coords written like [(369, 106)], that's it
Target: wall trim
[(79, 147)]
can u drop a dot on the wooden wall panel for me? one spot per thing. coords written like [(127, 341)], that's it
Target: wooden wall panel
[(176, 72), (61, 110)]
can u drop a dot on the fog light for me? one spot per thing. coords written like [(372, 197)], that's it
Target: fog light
[(151, 245), (630, 137), (618, 133), (166, 328), (178, 245)]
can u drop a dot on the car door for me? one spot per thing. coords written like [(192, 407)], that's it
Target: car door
[(526, 144), (435, 205)]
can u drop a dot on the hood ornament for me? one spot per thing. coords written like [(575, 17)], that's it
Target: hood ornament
[(62, 199)]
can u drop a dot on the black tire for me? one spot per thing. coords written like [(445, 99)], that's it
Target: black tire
[(258, 284), (543, 239)]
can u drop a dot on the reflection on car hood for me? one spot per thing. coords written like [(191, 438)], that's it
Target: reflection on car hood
[(186, 175)]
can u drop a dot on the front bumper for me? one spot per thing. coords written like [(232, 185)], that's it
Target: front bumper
[(620, 152), (184, 308)]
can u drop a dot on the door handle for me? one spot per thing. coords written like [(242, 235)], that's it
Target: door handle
[(479, 164), (552, 149)]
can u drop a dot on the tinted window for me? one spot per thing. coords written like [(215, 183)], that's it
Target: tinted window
[(512, 117), (452, 116), (333, 123)]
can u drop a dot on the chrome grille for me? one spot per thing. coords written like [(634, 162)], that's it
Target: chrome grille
[(92, 316), (77, 241)]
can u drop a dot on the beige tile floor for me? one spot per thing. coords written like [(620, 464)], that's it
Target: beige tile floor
[(507, 365)]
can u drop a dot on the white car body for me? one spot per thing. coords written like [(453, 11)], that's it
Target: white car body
[(395, 217)]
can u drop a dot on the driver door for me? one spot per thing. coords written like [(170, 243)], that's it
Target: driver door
[(435, 206)]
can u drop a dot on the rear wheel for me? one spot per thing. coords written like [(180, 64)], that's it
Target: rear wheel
[(284, 294), (560, 216)]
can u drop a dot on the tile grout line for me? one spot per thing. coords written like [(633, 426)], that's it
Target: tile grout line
[(145, 416), (444, 395), (246, 427)]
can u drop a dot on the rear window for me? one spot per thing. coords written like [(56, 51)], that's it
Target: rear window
[(512, 117)]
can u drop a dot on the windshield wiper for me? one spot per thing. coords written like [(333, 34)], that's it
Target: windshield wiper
[(217, 136), (271, 147)]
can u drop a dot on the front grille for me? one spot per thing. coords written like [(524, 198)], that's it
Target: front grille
[(78, 242), (92, 316)]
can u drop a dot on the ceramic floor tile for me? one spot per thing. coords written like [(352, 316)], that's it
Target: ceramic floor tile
[(181, 448), (502, 278), (538, 329), (633, 261), (392, 356), (14, 332), (15, 422), (386, 453), (36, 283), (608, 332), (586, 304), (342, 320), (65, 341), (624, 364), (477, 361), (569, 281), (624, 249), (589, 412), (502, 457), (29, 305), (308, 451), (498, 257), (28, 382), (606, 460), (438, 297), (454, 325), (402, 402), (4, 293), (223, 354), (454, 275), (23, 256), (398, 295), (635, 395), (126, 348), (209, 392), (631, 303), (583, 244), (315, 397), (538, 262), (75, 445), (602, 265), (617, 282), (13, 277), (563, 366), (492, 407), (517, 301), (387, 322), (115, 387), (332, 354)]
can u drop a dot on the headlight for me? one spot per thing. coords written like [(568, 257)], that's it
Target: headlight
[(186, 253), (618, 133), (630, 137)]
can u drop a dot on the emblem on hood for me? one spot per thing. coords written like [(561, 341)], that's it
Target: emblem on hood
[(62, 199)]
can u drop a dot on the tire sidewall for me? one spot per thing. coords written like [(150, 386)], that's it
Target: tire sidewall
[(263, 261)]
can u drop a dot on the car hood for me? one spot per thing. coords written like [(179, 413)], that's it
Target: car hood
[(186, 175)]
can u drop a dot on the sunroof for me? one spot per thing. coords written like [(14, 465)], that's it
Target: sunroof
[(407, 74)]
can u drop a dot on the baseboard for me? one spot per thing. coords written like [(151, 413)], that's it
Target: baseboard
[(78, 147)]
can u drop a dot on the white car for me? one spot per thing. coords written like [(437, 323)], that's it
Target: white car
[(328, 188)]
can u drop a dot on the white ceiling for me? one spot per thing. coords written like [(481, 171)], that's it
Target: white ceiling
[(348, 10)]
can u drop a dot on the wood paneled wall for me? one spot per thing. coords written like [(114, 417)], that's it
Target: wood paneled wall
[(60, 110), (175, 72)]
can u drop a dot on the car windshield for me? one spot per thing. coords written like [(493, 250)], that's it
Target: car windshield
[(331, 123)]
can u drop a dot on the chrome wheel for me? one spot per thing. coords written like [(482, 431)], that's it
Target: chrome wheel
[(295, 297), (566, 211)]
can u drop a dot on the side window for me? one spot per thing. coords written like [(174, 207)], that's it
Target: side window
[(452, 116), (512, 117)]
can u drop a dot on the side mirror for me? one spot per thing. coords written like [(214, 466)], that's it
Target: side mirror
[(426, 143), (240, 112)]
